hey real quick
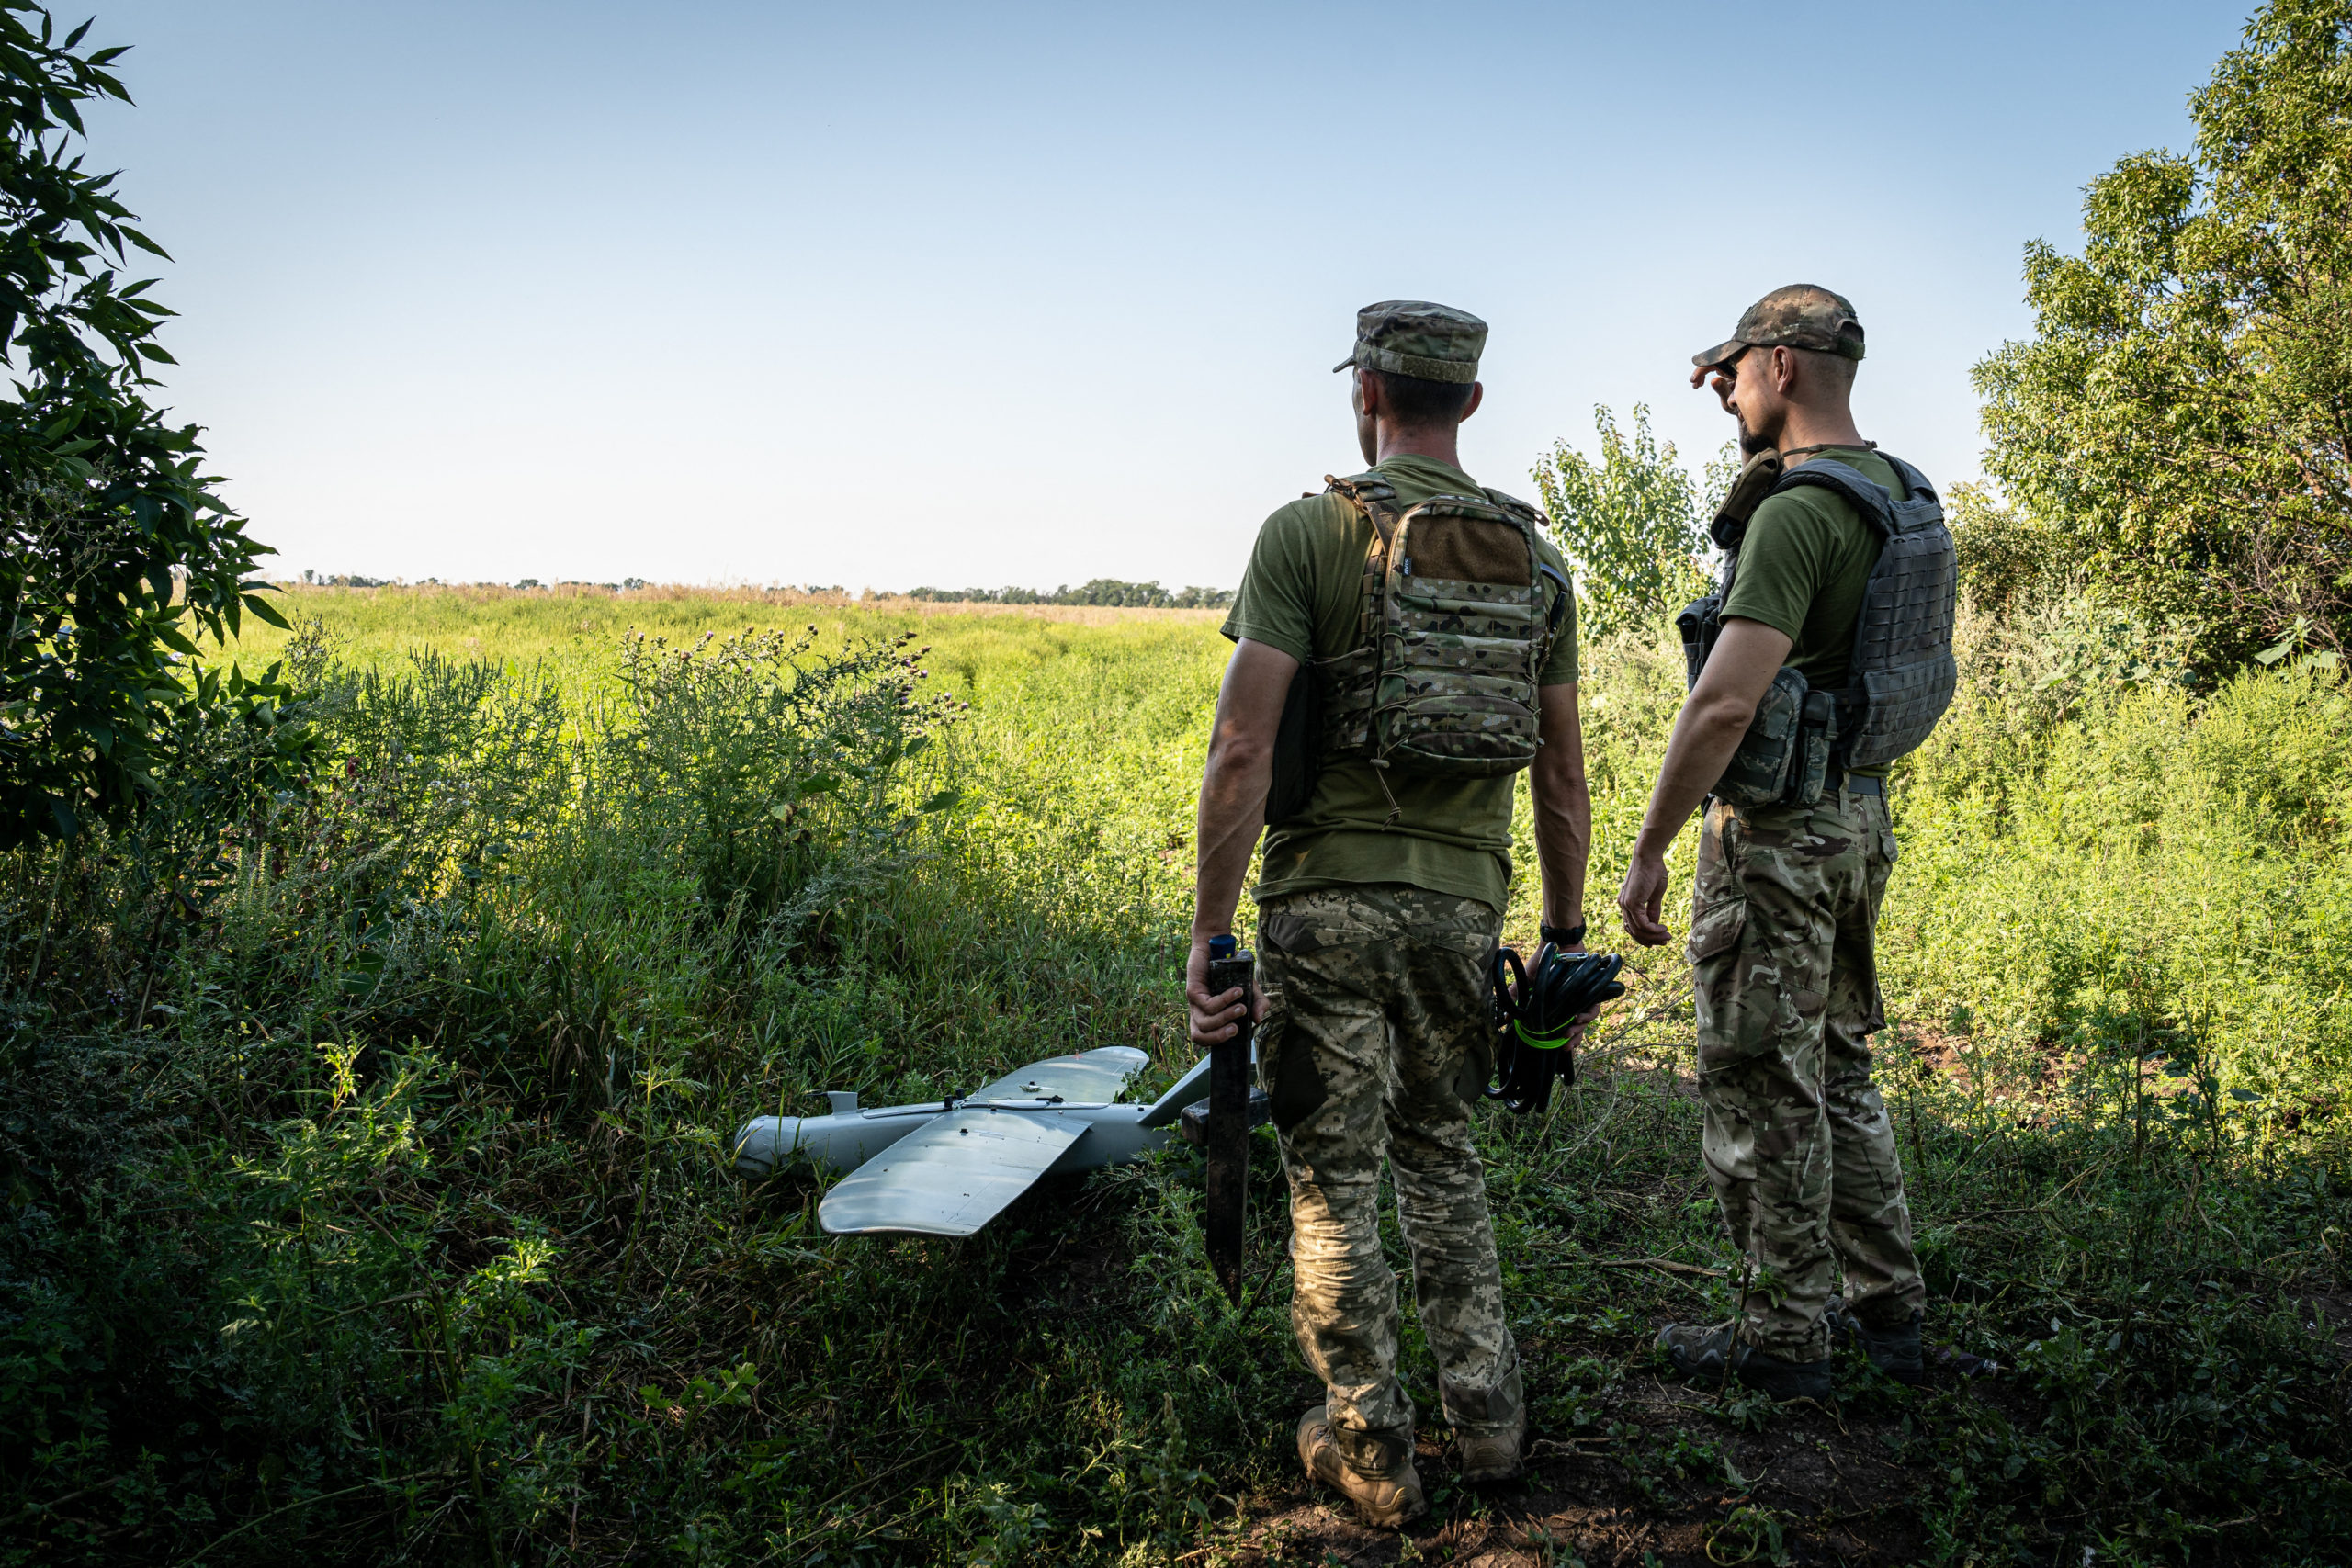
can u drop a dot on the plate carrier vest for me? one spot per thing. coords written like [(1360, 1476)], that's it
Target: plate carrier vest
[(1902, 674), (1453, 637)]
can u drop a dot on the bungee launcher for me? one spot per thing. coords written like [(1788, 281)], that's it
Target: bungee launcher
[(1535, 1010)]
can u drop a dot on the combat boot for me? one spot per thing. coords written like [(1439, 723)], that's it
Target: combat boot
[(1386, 1499), (1894, 1350), (1494, 1456), (1898, 1352), (1700, 1354)]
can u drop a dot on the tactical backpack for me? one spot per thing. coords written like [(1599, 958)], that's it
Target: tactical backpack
[(1453, 637), (1902, 673)]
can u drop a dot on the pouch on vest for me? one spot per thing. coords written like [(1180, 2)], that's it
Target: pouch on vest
[(1762, 770)]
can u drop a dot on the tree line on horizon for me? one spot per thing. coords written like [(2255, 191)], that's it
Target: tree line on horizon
[(1103, 591), (1108, 592)]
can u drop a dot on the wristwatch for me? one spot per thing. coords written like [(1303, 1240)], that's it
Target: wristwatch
[(1561, 936)]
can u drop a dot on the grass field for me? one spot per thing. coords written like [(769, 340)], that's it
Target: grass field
[(372, 1203)]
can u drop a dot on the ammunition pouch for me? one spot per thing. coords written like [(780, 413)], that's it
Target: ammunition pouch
[(1784, 758)]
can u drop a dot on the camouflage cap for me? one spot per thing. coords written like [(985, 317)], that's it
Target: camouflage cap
[(1413, 337), (1803, 315)]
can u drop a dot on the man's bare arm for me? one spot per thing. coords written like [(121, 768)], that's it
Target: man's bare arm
[(1562, 804), (1232, 810), (1719, 710)]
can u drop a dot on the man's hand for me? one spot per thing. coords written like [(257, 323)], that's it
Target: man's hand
[(1643, 899), (1725, 376), (1707, 731), (1215, 1018)]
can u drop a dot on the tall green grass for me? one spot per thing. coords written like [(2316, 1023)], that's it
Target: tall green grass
[(373, 1204)]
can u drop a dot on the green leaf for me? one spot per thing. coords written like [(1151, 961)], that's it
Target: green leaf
[(264, 610), (941, 801)]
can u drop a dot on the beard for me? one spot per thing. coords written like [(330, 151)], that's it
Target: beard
[(1754, 438)]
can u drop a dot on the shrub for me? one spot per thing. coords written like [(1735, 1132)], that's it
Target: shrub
[(1629, 525)]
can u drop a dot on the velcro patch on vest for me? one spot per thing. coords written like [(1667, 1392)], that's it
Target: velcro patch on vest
[(1470, 547)]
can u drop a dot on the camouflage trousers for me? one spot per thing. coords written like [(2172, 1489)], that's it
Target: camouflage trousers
[(1798, 1142), (1375, 1045)]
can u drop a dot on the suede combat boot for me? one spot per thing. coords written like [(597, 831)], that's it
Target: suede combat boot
[(1386, 1495), (1494, 1456), (1700, 1354)]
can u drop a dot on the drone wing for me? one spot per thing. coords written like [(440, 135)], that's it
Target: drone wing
[(1088, 1077), (953, 1177)]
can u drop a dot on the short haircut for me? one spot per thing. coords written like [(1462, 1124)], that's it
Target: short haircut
[(1416, 404), (1833, 371)]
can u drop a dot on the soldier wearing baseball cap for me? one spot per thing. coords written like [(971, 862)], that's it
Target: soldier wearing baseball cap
[(1382, 890), (1803, 315), (1792, 867)]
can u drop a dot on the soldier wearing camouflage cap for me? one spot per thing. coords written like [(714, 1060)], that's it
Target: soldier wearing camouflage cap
[(1800, 316), (1788, 888), (1382, 884)]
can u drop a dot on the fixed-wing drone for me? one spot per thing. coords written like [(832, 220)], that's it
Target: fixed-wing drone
[(947, 1167)]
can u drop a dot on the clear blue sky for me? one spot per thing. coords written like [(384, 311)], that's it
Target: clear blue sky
[(889, 294)]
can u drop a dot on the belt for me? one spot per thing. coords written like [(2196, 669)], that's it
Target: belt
[(1855, 784)]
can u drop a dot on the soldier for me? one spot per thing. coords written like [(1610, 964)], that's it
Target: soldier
[(1797, 1143), (1381, 893)]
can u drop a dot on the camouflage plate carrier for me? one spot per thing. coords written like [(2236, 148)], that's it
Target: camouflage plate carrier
[(1454, 634), (1902, 674)]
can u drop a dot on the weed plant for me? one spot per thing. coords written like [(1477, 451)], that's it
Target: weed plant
[(368, 1153)]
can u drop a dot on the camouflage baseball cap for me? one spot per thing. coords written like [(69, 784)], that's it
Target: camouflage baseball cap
[(1413, 337), (1803, 315)]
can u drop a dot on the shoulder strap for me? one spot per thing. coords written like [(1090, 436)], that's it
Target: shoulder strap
[(1517, 508), (1372, 494), (1868, 496), (1915, 483)]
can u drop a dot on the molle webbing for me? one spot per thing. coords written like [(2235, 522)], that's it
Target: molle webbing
[(1902, 673), (1453, 637)]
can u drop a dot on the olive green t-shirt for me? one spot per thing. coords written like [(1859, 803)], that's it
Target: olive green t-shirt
[(1804, 566), (1304, 593)]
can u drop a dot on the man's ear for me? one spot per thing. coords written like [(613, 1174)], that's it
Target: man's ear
[(1478, 396), (1785, 370), (1366, 396)]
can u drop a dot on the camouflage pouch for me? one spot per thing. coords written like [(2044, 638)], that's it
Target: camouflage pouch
[(1816, 739), (1766, 766)]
